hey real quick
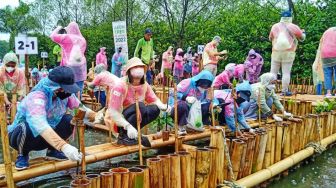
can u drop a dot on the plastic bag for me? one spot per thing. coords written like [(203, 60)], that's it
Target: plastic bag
[(195, 116), (282, 42)]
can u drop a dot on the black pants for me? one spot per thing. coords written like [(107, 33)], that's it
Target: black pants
[(23, 140), (148, 114)]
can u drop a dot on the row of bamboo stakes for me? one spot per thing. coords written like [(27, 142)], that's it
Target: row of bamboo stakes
[(301, 85)]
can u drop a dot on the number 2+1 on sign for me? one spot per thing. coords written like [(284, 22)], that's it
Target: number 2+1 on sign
[(26, 45)]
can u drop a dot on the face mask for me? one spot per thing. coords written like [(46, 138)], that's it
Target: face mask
[(10, 69), (270, 87), (137, 72), (202, 90), (240, 100), (63, 95)]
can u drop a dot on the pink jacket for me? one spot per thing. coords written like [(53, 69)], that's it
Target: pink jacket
[(239, 72), (253, 66), (222, 78), (178, 65), (101, 57), (328, 43), (73, 46), (295, 31)]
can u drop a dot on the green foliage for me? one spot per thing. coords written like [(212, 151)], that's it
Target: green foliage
[(161, 121), (4, 48), (327, 105)]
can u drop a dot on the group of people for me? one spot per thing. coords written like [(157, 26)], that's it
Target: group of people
[(41, 121)]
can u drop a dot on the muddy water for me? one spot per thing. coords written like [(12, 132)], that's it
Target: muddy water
[(316, 172)]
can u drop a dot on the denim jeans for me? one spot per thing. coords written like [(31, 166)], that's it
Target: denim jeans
[(102, 97), (319, 89), (328, 74)]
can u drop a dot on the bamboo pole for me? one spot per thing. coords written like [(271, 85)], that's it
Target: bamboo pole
[(106, 180), (243, 156), (165, 170), (192, 151), (120, 177), (214, 166), (175, 171), (238, 146), (262, 149), (81, 182), (203, 168), (175, 119), (155, 172), (138, 127), (286, 142), (13, 107), (146, 182), (278, 141), (185, 162), (267, 159), (217, 140), (5, 143), (136, 177), (78, 118), (249, 153), (95, 180)]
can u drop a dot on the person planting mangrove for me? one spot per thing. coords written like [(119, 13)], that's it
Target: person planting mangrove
[(145, 51), (239, 72), (101, 57), (227, 100), (73, 46), (223, 80), (118, 60), (211, 56), (12, 79), (41, 121), (263, 92), (122, 105), (284, 36), (193, 91), (167, 64), (253, 65)]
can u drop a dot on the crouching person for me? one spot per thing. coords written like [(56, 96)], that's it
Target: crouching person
[(122, 104), (265, 92), (190, 91), (226, 101), (41, 121)]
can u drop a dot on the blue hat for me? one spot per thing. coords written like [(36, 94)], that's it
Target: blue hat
[(286, 13), (148, 31), (65, 77)]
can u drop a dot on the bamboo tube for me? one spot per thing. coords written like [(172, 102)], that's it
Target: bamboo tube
[(78, 118), (81, 182), (301, 134), (267, 159), (309, 130), (278, 141), (292, 130), (138, 127), (155, 172), (165, 170), (238, 146), (261, 153), (217, 140), (95, 180), (5, 143), (203, 168), (185, 161), (120, 177), (243, 157), (286, 141), (192, 151), (249, 154), (214, 166), (274, 129), (305, 131), (136, 177), (255, 155), (13, 107), (175, 119), (175, 170), (106, 180), (146, 182)]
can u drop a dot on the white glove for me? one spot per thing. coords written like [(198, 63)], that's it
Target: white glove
[(191, 100), (277, 118), (169, 109), (71, 152), (252, 130), (288, 115), (132, 133)]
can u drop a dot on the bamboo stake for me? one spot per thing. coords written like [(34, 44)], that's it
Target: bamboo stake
[(95, 180), (155, 172), (120, 177), (136, 177), (243, 156), (175, 171), (5, 143), (249, 153), (192, 151), (13, 107), (278, 141), (185, 162), (81, 182), (255, 153), (165, 170), (214, 166), (81, 128), (286, 142), (238, 146), (216, 140), (138, 127), (267, 159), (203, 168), (106, 180), (146, 182), (175, 119)]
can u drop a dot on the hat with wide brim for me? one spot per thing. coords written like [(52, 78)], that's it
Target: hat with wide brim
[(134, 62)]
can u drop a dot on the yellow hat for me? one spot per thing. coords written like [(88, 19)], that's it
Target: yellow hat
[(134, 62)]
